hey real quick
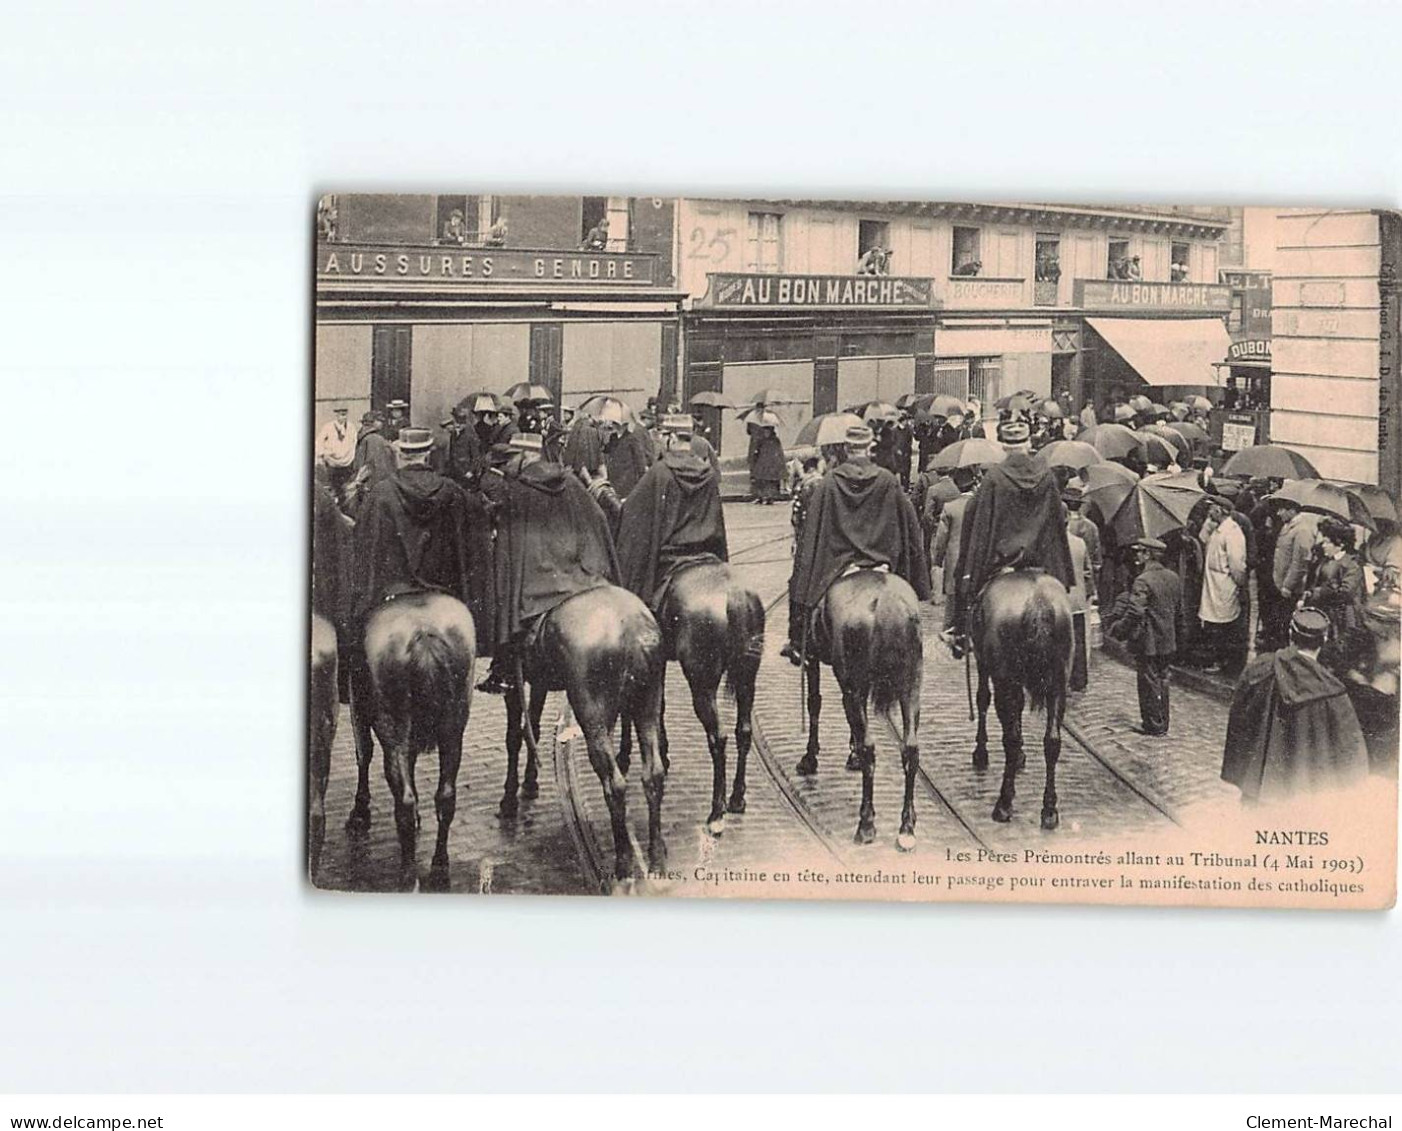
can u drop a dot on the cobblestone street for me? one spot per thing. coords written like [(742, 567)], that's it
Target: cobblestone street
[(1110, 779)]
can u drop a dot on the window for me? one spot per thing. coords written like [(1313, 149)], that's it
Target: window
[(1119, 265), (456, 219), (1001, 256), (984, 377), (873, 247), (593, 223), (762, 242), (1234, 318), (1048, 266), (1178, 262), (952, 376), (619, 216), (965, 260)]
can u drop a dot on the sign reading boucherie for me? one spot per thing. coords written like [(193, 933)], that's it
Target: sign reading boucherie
[(1109, 294), (480, 265), (817, 290)]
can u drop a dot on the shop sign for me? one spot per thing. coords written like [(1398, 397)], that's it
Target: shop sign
[(1238, 431), (985, 292), (1250, 349), (480, 265), (1117, 295), (810, 291)]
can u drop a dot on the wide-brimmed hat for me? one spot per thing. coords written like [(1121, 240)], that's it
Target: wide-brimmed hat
[(1072, 494), (397, 404), (1014, 432), (857, 435), (1147, 543), (677, 422), (414, 440)]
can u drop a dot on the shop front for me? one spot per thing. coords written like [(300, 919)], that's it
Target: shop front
[(826, 341), (984, 359), (428, 325), (1246, 394)]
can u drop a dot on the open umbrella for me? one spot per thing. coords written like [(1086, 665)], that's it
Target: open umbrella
[(483, 401), (1190, 432), (776, 396), (875, 410), (1100, 474), (1157, 450), (711, 399), (1178, 410), (907, 400), (1015, 403), (1170, 436), (938, 404), (1112, 441), (1326, 498), (1158, 411), (1384, 551), (523, 392), (1380, 504), (1070, 453), (765, 419), (1149, 508), (829, 428), (1199, 402), (1270, 461), (975, 452), (1051, 410), (608, 409), (1140, 403)]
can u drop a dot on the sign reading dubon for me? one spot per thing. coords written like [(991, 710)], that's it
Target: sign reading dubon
[(817, 290)]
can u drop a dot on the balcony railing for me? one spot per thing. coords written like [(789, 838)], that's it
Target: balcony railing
[(1044, 293)]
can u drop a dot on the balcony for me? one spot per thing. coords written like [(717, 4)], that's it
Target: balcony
[(1044, 293)]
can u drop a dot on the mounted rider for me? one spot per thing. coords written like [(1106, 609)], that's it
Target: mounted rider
[(552, 542), (1014, 521), (672, 518), (858, 518), (418, 531)]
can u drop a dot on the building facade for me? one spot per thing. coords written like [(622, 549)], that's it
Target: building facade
[(428, 297), (1335, 383), (839, 302)]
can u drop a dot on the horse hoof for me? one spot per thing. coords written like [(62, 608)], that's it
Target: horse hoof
[(530, 791), (657, 856), (507, 809), (437, 878), (1002, 813), (865, 834), (623, 763), (358, 823), (808, 765), (736, 804), (905, 841), (1051, 820), (716, 825), (980, 760), (854, 764)]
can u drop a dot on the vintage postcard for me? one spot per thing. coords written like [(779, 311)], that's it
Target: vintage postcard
[(839, 549)]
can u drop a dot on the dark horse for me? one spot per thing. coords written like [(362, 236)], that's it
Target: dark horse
[(323, 705), (413, 688), (868, 629), (1022, 638), (603, 649), (714, 626)]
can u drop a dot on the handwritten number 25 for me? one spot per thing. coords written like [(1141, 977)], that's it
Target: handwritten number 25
[(717, 248)]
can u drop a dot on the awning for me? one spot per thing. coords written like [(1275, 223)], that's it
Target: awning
[(1168, 351)]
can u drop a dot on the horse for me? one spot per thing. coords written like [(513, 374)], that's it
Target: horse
[(324, 705), (1022, 642), (413, 687), (713, 625), (602, 648), (868, 630)]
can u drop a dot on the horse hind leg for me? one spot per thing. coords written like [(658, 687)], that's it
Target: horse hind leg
[(703, 701), (981, 738), (358, 823), (744, 735), (854, 701), (399, 773), (514, 708), (445, 801), (647, 718), (1051, 750), (1007, 700), (910, 763)]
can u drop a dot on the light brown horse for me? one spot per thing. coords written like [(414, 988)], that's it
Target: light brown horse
[(323, 706), (868, 629), (413, 689), (602, 648), (713, 625), (1022, 639)]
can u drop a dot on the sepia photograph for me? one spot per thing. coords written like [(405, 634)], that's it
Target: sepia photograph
[(855, 549)]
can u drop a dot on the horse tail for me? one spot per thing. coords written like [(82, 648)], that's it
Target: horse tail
[(432, 675), (640, 658), (896, 650), (1046, 650), (744, 636)]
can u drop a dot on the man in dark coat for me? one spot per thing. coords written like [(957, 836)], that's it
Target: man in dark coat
[(418, 531), (766, 465), (858, 517), (374, 459), (1145, 619), (552, 542), (672, 518), (1292, 729), (628, 453), (1015, 519), (456, 454)]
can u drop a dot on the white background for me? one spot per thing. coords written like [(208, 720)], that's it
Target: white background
[(158, 167)]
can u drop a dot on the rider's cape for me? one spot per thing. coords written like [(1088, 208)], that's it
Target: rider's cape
[(1015, 518), (552, 542), (858, 516), (332, 556), (1291, 729), (672, 518), (420, 531)]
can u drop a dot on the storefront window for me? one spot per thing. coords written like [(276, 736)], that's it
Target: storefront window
[(965, 260), (762, 250), (985, 374)]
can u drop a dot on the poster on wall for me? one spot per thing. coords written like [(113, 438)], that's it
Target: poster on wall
[(932, 642)]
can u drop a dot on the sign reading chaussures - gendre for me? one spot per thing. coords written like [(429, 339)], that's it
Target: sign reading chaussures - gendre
[(451, 262), (817, 290)]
